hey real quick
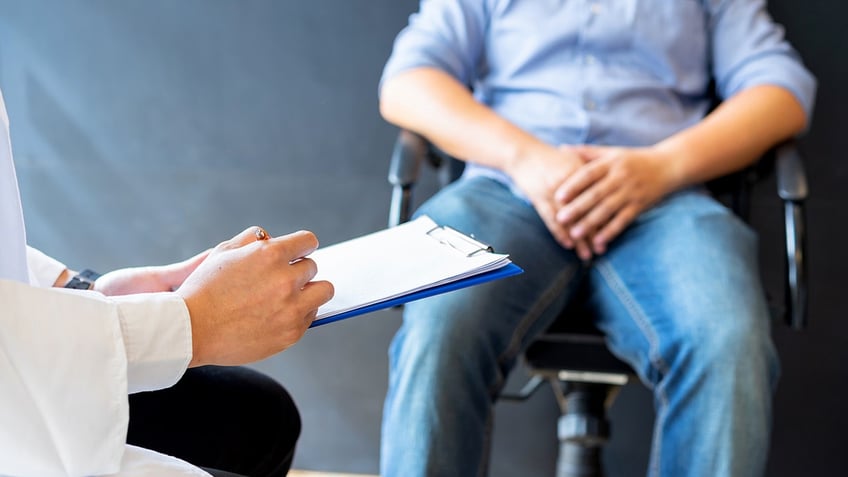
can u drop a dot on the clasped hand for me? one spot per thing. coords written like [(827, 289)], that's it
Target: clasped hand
[(587, 195)]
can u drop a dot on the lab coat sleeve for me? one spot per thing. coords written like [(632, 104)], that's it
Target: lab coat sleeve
[(68, 359), (43, 270)]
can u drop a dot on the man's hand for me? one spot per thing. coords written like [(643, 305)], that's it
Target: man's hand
[(252, 298), (127, 281), (603, 197), (539, 176)]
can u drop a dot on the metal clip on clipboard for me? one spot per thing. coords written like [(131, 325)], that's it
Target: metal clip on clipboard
[(458, 241)]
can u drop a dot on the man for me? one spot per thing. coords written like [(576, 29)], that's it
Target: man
[(586, 136), (68, 358)]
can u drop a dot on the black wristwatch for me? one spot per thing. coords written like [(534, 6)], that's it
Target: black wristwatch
[(83, 280)]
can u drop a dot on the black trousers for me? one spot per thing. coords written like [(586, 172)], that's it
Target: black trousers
[(228, 419)]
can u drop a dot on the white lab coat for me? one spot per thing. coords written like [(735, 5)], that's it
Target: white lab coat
[(68, 359)]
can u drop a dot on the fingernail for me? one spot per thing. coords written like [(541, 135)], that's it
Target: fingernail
[(577, 232)]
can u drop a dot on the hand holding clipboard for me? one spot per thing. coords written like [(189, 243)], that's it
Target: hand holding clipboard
[(404, 263)]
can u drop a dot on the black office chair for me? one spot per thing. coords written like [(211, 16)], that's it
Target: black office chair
[(572, 354)]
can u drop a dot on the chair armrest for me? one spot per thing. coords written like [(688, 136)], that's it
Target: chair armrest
[(791, 177), (410, 151), (792, 188)]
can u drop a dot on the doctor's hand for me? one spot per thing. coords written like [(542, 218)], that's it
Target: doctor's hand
[(604, 196), (253, 296), (127, 281), (539, 175)]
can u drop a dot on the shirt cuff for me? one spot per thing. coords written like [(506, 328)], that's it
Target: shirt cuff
[(157, 339), (43, 270)]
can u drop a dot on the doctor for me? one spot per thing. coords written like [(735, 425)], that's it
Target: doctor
[(69, 358)]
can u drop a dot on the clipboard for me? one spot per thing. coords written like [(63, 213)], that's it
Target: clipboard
[(409, 262)]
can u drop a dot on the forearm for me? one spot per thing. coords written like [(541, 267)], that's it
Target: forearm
[(71, 359), (733, 136), (435, 105)]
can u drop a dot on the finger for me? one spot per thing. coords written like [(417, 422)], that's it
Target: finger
[(560, 234), (600, 214), (576, 209), (314, 295), (318, 292), (295, 245), (305, 270), (583, 249), (579, 181), (613, 228)]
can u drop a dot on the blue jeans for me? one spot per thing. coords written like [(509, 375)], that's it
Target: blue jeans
[(677, 294)]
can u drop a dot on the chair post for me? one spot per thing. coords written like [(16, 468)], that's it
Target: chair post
[(583, 428)]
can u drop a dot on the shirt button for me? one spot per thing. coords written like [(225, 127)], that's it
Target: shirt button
[(589, 105), (596, 8), (590, 60)]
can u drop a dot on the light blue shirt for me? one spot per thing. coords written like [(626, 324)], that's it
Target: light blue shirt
[(614, 72)]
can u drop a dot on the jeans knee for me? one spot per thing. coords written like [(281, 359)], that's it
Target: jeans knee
[(734, 350), (441, 341)]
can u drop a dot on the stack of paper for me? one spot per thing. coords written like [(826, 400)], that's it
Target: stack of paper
[(404, 263)]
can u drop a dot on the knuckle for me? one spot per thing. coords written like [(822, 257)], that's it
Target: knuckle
[(308, 238)]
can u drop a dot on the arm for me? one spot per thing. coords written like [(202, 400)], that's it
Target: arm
[(65, 380), (713, 148), (769, 97), (435, 105), (604, 197), (47, 272), (423, 89)]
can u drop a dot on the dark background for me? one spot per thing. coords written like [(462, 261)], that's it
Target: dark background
[(146, 130)]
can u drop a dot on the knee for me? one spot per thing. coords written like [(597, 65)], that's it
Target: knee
[(440, 335), (275, 416), (729, 351), (280, 428)]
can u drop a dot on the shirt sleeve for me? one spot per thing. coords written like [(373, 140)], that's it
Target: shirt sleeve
[(68, 358), (749, 49), (43, 270), (445, 34)]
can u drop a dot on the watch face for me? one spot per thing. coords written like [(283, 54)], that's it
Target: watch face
[(79, 284)]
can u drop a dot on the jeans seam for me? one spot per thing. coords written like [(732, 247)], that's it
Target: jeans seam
[(513, 347), (529, 318), (616, 285)]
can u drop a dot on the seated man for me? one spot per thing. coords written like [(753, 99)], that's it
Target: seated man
[(587, 136)]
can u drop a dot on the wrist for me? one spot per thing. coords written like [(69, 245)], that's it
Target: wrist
[(64, 278), (83, 280), (522, 153), (672, 161)]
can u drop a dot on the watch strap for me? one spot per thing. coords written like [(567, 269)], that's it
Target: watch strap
[(83, 280)]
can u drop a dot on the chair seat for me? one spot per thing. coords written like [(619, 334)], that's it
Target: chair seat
[(573, 343)]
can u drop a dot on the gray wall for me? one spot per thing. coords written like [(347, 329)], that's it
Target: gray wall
[(146, 130)]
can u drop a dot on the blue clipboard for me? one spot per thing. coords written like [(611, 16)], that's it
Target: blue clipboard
[(503, 272)]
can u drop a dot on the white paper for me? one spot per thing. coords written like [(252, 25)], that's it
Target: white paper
[(395, 262)]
